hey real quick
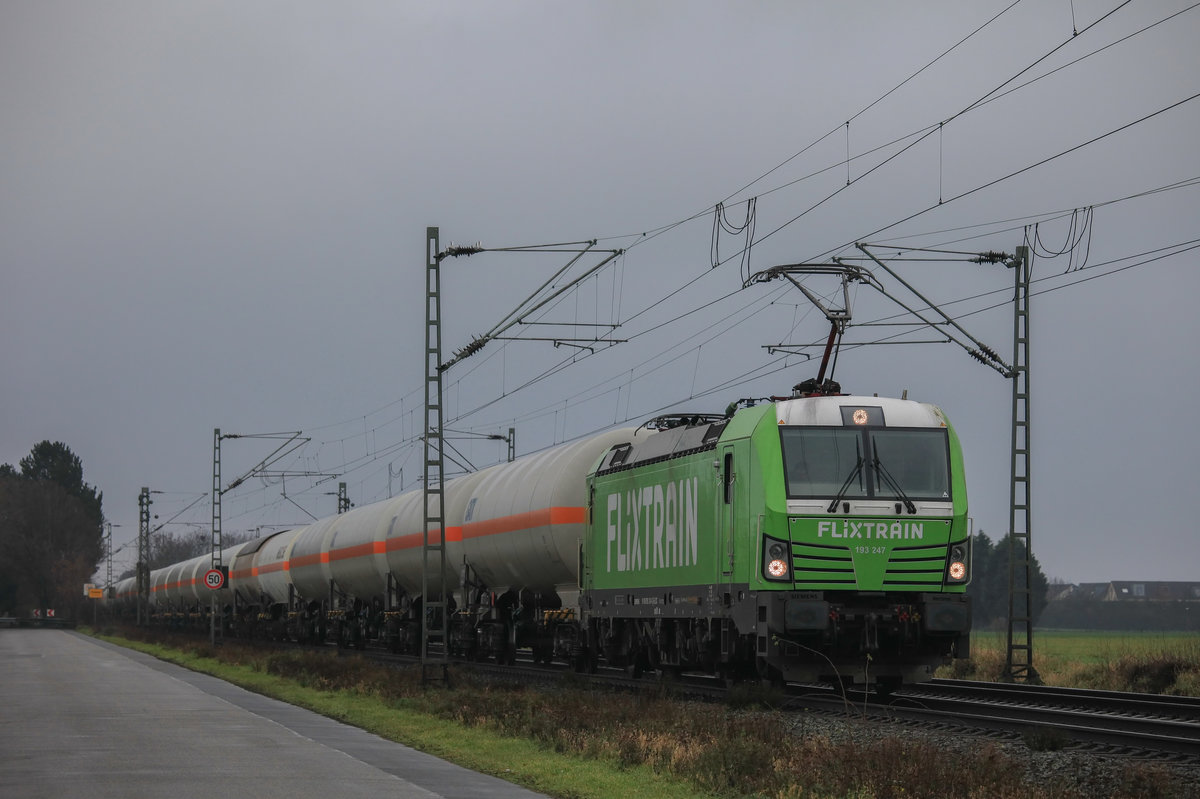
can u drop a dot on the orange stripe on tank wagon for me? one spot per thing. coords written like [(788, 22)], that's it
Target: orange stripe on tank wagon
[(414, 540), (304, 560), (356, 551), (505, 524), (524, 521), (345, 553)]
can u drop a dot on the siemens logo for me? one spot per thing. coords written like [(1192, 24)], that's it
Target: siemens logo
[(654, 527)]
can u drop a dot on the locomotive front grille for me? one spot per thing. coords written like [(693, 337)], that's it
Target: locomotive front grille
[(916, 568), (817, 564), (908, 568)]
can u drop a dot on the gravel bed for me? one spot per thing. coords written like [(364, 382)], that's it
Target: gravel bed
[(1090, 773)]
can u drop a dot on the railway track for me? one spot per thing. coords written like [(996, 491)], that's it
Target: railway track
[(1145, 726)]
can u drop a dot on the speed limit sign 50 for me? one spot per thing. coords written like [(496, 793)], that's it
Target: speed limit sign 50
[(214, 579)]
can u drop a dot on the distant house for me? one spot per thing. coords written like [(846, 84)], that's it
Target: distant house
[(1123, 605), (1129, 591)]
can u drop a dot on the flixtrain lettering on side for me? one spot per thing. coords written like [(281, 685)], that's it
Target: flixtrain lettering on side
[(653, 527)]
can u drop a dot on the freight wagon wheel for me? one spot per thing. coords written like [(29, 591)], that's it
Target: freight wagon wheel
[(768, 674), (638, 666), (885, 686), (584, 663), (734, 673), (839, 684), (669, 674)]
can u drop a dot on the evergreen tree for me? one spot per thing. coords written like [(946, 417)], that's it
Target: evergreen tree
[(989, 584), (50, 532), (56, 463)]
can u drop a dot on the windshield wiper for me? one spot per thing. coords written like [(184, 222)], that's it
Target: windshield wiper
[(895, 486), (845, 486)]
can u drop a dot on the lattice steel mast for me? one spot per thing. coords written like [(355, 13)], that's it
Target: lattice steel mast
[(435, 621), (143, 561), (1019, 663)]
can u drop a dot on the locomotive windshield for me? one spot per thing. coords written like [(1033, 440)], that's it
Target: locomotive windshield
[(880, 463)]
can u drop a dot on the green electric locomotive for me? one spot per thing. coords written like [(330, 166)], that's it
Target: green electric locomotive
[(822, 538)]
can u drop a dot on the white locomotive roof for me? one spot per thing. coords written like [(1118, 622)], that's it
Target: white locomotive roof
[(827, 411)]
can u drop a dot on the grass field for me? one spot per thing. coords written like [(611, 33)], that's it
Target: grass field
[(1148, 662)]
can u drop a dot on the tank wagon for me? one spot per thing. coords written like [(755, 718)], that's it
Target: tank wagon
[(813, 538)]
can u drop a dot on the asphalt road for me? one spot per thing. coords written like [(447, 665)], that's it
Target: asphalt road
[(83, 718)]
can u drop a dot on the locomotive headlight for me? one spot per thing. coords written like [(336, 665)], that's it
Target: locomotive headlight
[(956, 571), (775, 564)]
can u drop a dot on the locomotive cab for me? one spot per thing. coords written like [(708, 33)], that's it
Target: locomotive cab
[(866, 550)]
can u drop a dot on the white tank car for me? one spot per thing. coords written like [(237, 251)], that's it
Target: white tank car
[(124, 592), (404, 526), (523, 522), (269, 573), (305, 567), (516, 524), (243, 572), (173, 585), (181, 585), (162, 579)]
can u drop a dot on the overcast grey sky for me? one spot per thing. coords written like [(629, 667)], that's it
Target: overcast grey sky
[(213, 215)]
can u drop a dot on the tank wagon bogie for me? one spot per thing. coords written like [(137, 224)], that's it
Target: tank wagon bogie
[(814, 538)]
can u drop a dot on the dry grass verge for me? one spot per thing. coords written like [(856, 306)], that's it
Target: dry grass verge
[(693, 748)]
